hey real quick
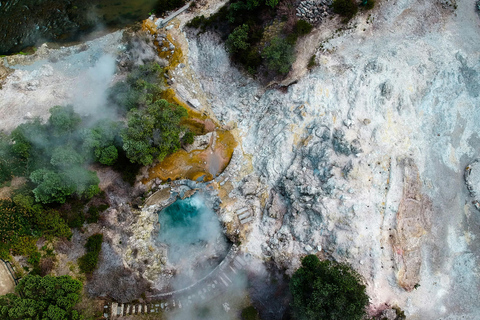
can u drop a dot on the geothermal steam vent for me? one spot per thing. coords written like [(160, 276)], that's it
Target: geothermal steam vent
[(193, 235)]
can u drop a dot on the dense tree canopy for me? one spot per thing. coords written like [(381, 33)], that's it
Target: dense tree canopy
[(153, 132), (327, 290), (42, 298)]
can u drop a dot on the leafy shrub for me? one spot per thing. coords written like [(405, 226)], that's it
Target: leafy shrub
[(346, 8), (24, 246), (42, 298), (327, 290), (311, 62), (250, 313), (303, 27), (279, 55), (238, 39), (368, 4), (188, 137), (15, 221), (94, 212), (88, 262), (197, 22)]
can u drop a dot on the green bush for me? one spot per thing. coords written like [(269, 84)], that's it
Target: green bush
[(327, 290), (311, 62), (42, 298), (302, 27), (250, 313), (238, 39), (88, 262), (197, 22), (368, 4), (188, 137), (94, 212), (346, 8), (279, 55)]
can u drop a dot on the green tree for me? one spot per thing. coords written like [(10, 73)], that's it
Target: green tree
[(279, 55), (100, 142), (51, 186), (153, 132), (346, 8), (65, 156), (237, 40), (63, 120), (327, 290), (46, 298)]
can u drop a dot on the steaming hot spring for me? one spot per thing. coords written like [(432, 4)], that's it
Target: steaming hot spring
[(193, 236)]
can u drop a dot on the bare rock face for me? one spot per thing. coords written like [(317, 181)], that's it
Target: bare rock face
[(472, 180), (413, 222)]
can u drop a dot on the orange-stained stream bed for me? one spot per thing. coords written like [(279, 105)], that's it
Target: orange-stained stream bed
[(202, 165)]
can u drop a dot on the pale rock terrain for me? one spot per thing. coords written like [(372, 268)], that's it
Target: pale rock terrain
[(362, 159)]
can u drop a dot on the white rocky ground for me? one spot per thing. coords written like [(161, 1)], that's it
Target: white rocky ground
[(362, 159)]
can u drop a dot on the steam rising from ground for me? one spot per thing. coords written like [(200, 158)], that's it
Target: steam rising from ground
[(93, 83), (194, 237)]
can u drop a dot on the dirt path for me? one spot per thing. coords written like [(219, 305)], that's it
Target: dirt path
[(7, 285)]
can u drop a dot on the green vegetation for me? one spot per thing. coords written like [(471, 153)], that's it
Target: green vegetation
[(49, 298), (142, 85), (163, 6), (88, 262), (368, 4), (327, 290), (279, 55), (153, 132), (311, 62), (23, 223), (237, 40), (346, 8), (52, 156), (243, 23), (303, 27), (250, 313)]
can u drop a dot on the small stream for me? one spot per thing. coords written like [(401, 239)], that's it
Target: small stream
[(27, 23)]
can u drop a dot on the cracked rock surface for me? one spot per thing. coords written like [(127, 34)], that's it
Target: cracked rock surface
[(362, 160)]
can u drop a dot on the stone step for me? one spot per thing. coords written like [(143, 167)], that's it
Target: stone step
[(240, 260), (233, 269), (113, 309), (243, 215), (225, 276), (242, 210), (224, 282), (237, 264), (246, 220)]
